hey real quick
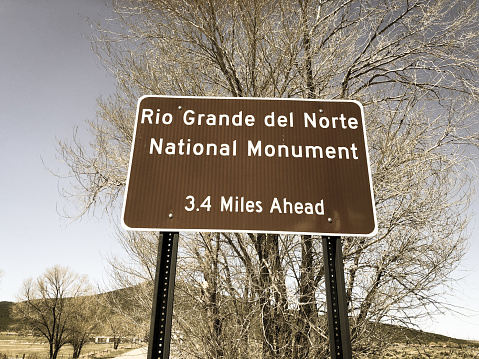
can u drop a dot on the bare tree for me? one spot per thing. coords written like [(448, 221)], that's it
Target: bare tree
[(412, 64), (131, 282), (49, 305), (83, 322)]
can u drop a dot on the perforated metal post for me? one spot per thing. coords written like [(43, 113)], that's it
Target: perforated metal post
[(162, 309), (339, 337)]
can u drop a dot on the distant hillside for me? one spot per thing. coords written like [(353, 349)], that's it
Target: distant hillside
[(6, 321), (401, 335)]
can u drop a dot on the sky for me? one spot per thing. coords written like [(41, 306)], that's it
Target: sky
[(49, 83)]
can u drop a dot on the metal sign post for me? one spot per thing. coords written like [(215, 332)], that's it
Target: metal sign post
[(162, 309), (339, 337)]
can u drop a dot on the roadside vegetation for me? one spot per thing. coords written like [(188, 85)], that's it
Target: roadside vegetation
[(59, 316), (13, 345), (403, 343), (424, 352)]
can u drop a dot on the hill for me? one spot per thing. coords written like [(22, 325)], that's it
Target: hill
[(401, 335), (6, 320)]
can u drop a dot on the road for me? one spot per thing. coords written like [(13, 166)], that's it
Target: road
[(139, 353)]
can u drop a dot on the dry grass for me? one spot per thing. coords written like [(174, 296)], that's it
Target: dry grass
[(433, 351), (15, 347), (35, 348)]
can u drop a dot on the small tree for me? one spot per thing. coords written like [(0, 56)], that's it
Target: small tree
[(50, 306), (125, 311), (84, 321), (78, 337)]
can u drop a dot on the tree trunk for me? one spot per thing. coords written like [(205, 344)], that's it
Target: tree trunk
[(273, 298), (214, 344), (264, 292), (308, 313), (51, 350), (282, 328)]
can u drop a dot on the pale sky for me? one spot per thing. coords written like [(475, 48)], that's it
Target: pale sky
[(49, 83)]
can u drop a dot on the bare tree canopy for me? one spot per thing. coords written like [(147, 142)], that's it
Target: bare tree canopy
[(54, 306), (412, 64)]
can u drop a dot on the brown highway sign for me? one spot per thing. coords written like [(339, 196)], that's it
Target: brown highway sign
[(250, 165)]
